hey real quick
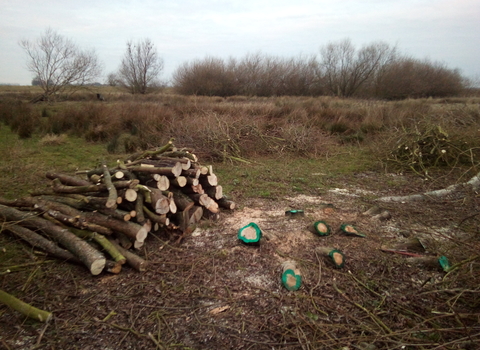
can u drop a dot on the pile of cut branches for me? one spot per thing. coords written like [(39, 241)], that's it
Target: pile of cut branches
[(432, 147), (110, 211)]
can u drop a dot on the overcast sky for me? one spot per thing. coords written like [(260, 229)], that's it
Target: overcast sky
[(447, 31)]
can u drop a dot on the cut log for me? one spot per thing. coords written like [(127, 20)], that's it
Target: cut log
[(172, 205), (77, 222), (193, 189), (67, 179), (104, 243), (192, 181), (131, 229), (123, 240), (180, 181), (196, 214), (173, 171), (59, 188), (216, 192), (350, 230), (163, 182), (117, 214), (182, 201), (133, 260), (37, 241), (160, 219), (131, 195), (291, 275), (160, 203), (320, 228), (118, 175), (195, 173), (334, 255), (90, 257), (250, 234), (208, 180), (139, 208), (226, 204), (24, 308), (112, 191)]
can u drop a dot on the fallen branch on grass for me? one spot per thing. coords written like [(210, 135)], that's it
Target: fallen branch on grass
[(473, 185)]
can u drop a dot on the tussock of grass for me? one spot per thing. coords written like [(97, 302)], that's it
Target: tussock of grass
[(53, 140)]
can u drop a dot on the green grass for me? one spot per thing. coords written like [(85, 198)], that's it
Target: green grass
[(272, 178), (25, 161)]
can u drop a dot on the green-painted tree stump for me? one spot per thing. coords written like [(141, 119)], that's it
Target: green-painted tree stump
[(334, 255), (294, 213), (250, 234), (320, 228), (350, 230), (432, 262), (291, 275)]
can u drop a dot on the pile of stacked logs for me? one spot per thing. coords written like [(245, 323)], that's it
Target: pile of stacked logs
[(111, 211)]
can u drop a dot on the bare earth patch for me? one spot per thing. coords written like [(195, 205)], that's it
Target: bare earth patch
[(213, 292)]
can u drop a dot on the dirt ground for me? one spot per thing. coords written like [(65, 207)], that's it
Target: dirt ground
[(212, 292)]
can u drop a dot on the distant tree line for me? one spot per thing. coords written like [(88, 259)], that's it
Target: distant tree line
[(375, 70)]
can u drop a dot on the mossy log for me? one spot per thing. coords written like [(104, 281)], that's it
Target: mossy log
[(24, 308)]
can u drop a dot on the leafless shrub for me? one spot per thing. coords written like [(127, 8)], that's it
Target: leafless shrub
[(413, 78)]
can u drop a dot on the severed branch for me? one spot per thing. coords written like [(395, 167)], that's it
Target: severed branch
[(24, 308), (473, 184)]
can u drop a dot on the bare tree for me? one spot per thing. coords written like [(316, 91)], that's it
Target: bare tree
[(59, 64), (140, 67), (347, 69)]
